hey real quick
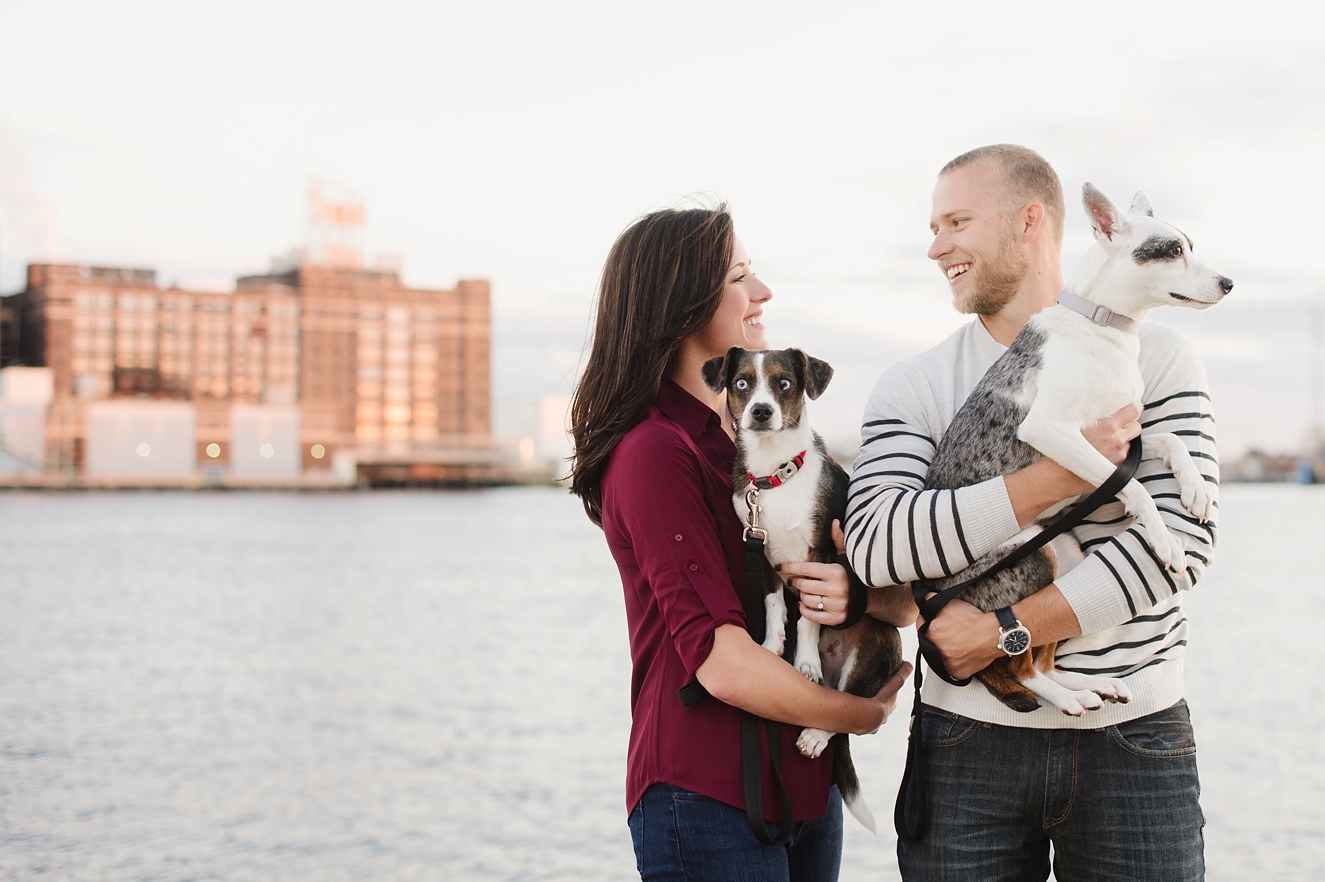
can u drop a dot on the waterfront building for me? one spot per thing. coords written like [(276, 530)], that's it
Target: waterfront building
[(325, 373)]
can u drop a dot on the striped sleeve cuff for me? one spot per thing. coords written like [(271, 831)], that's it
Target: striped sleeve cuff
[(1093, 593), (987, 516)]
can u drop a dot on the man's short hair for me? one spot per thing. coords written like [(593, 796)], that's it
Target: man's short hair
[(1026, 176)]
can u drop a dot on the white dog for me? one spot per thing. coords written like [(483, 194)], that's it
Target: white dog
[(1073, 365)]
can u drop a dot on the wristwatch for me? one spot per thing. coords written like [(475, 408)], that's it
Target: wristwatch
[(1013, 637)]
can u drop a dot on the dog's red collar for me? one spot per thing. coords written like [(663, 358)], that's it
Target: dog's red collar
[(781, 474)]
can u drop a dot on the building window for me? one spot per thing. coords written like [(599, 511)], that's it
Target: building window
[(425, 413)]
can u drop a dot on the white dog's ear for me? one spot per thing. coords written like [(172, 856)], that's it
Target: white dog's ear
[(1105, 218), (1141, 204)]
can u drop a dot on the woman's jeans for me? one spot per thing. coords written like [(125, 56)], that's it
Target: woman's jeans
[(1118, 803), (680, 835)]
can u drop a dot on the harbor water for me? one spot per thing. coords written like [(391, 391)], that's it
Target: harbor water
[(434, 686)]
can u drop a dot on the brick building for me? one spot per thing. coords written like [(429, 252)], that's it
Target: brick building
[(393, 380)]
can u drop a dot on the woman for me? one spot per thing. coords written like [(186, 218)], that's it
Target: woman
[(653, 456)]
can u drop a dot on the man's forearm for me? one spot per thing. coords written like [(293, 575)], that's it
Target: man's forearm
[(968, 638), (1047, 615), (893, 604), (1045, 483), (1039, 487)]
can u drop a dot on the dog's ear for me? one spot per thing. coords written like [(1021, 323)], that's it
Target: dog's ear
[(715, 370), (1106, 221), (817, 374), (1141, 204)]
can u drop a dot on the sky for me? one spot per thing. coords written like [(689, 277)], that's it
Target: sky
[(514, 142)]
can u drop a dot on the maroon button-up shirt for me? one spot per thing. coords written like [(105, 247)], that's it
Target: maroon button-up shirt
[(669, 522)]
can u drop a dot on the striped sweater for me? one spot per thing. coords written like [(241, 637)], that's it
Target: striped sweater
[(1128, 604)]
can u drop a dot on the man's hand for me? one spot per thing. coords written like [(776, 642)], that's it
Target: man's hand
[(1045, 483), (1112, 436), (966, 638)]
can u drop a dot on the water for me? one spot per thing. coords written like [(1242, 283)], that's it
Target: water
[(435, 686)]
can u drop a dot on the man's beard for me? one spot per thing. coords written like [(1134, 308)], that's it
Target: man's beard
[(995, 283)]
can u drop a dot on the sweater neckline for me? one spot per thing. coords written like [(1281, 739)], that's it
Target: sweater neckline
[(986, 343)]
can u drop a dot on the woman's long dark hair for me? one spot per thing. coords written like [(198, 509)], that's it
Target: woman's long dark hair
[(662, 283)]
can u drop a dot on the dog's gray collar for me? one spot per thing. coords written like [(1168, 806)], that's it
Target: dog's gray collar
[(1100, 315)]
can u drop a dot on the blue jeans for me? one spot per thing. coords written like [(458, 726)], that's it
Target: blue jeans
[(1117, 804), (680, 835)]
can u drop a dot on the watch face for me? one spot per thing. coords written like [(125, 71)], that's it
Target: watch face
[(1016, 641)]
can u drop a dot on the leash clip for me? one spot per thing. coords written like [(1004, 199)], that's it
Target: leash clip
[(752, 517)]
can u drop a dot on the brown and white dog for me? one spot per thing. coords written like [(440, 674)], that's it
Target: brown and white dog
[(802, 491)]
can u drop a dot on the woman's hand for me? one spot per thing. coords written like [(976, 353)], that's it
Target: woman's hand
[(743, 674), (887, 696), (823, 588)]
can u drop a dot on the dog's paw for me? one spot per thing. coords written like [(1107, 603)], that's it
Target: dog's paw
[(811, 669), (812, 742), (1075, 704), (776, 642), (1177, 562), (1211, 501), (1112, 690), (1168, 550), (1197, 496), (1136, 501), (1190, 491)]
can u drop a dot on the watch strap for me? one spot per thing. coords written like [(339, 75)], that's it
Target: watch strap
[(1006, 620)]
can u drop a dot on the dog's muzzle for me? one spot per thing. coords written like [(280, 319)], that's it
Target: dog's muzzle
[(760, 417)]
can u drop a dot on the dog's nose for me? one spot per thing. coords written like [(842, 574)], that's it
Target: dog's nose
[(761, 413), (1226, 283)]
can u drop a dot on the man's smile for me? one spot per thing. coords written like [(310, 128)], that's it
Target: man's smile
[(956, 270)]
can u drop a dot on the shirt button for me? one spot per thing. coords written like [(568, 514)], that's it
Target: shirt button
[(694, 567), (678, 537)]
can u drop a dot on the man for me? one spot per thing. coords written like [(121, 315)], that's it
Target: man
[(1114, 791)]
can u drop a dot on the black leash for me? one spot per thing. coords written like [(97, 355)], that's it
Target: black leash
[(911, 793), (694, 692)]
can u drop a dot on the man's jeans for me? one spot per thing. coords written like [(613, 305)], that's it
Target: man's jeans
[(1117, 803), (680, 835)]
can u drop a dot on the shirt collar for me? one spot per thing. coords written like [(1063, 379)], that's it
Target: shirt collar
[(986, 343), (684, 409)]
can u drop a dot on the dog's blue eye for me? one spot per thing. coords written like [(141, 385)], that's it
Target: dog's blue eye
[(742, 385), (785, 384)]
